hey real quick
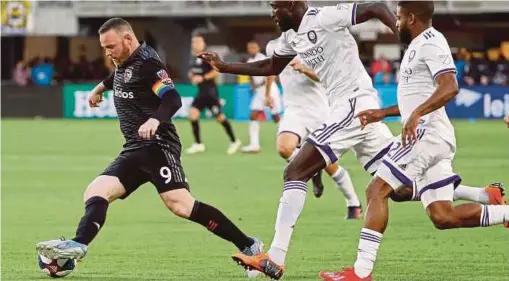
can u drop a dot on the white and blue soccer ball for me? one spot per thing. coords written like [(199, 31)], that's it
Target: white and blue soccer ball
[(56, 268)]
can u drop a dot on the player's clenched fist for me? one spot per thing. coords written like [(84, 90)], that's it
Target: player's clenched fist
[(213, 59), (94, 100), (148, 129)]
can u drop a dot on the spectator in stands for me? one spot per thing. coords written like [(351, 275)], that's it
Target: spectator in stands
[(500, 67), (82, 71), (21, 74), (42, 72), (381, 64), (478, 71), (99, 70), (460, 60)]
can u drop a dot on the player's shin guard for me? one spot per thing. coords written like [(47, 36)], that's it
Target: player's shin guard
[(93, 220), (217, 223), (229, 130), (290, 206), (345, 185), (494, 214), (366, 255), (196, 131)]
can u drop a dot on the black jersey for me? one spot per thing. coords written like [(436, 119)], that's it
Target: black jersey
[(135, 85), (201, 67)]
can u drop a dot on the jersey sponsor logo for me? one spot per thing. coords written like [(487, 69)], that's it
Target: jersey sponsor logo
[(313, 56), (125, 95), (312, 36), (128, 74)]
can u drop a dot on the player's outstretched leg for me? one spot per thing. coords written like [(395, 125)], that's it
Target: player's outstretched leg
[(375, 223), (306, 163), (234, 143), (182, 204), (99, 194), (342, 179), (254, 134), (197, 146)]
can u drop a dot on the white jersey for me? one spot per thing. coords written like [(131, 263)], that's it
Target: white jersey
[(324, 42), (427, 56)]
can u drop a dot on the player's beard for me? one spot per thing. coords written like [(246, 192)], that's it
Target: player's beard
[(405, 36), (284, 24)]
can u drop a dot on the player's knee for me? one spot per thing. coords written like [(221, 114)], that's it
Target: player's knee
[(194, 114), (443, 221), (220, 118), (179, 202), (107, 187), (285, 150)]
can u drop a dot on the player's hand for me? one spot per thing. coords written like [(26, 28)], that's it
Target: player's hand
[(148, 129), (213, 59), (197, 79), (269, 102), (297, 66), (370, 116), (94, 100), (409, 132), (506, 120)]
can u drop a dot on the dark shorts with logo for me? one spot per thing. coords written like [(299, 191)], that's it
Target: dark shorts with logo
[(208, 98), (153, 163)]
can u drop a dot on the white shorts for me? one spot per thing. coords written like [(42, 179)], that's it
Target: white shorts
[(258, 101), (342, 132), (426, 166), (300, 122)]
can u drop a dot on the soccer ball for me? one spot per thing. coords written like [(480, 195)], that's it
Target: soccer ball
[(56, 268)]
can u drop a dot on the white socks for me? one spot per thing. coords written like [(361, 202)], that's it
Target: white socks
[(290, 206), (342, 178), (494, 214), (366, 254), (254, 132), (474, 194)]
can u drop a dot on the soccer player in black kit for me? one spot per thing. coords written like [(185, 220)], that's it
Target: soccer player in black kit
[(203, 75), (145, 100)]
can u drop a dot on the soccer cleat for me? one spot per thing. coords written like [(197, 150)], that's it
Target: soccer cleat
[(354, 213), (496, 196), (317, 184), (255, 249), (196, 148), (62, 249), (348, 274), (262, 263), (250, 149), (234, 147)]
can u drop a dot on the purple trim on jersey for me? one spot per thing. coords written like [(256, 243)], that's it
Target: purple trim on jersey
[(284, 56), (377, 157), (399, 175), (354, 14), (290, 132), (445, 70), (439, 184), (325, 149), (402, 154)]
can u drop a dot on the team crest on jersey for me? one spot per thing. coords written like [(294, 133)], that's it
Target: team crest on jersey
[(411, 56), (312, 36), (128, 74)]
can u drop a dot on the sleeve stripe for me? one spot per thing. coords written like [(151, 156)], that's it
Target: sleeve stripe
[(284, 56), (445, 70), (159, 88), (354, 14)]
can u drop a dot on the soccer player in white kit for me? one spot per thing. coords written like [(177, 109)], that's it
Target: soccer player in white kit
[(306, 108), (423, 155), (265, 94), (321, 38)]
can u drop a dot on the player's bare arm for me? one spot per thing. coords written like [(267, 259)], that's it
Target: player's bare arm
[(267, 67), (506, 119), (375, 115), (96, 96), (211, 75), (367, 11), (268, 89), (447, 88), (297, 66)]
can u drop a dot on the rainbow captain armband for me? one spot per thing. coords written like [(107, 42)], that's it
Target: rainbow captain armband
[(163, 85)]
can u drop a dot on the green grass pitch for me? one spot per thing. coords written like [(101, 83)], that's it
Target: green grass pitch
[(47, 164)]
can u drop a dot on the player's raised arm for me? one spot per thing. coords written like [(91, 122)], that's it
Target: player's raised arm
[(367, 11), (270, 66)]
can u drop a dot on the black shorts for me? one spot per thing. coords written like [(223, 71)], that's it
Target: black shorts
[(208, 100), (153, 163)]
